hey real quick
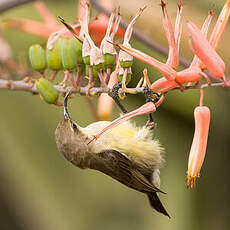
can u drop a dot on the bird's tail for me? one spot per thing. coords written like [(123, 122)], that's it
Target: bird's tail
[(156, 203)]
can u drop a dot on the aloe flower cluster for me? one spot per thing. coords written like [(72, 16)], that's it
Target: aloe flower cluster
[(205, 57), (80, 57)]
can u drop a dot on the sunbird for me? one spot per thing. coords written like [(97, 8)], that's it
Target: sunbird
[(126, 153)]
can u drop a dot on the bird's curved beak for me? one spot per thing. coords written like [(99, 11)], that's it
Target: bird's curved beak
[(65, 110)]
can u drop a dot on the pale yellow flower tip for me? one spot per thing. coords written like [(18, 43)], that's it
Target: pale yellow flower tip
[(105, 106), (105, 102)]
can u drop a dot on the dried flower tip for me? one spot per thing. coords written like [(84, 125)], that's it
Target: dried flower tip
[(106, 44), (96, 56), (86, 51), (129, 29), (116, 25), (84, 33), (124, 58), (70, 28), (89, 49), (84, 20)]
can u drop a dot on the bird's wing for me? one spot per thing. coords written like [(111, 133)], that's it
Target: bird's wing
[(121, 168)]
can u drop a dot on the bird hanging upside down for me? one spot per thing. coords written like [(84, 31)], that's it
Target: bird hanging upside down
[(126, 153)]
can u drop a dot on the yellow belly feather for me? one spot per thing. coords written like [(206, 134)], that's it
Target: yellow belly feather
[(134, 142)]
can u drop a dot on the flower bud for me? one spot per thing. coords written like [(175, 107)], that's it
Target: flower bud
[(98, 67), (126, 64), (68, 54), (109, 59), (37, 57), (47, 90), (78, 48), (53, 57), (126, 60)]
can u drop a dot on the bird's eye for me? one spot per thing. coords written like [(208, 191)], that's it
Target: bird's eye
[(74, 126)]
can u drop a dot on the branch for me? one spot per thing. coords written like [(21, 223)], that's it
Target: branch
[(30, 87), (215, 84)]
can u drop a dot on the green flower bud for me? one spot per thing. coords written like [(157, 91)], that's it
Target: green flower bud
[(78, 48), (98, 67), (37, 57), (68, 54), (128, 78), (47, 90), (53, 57), (126, 64), (109, 59)]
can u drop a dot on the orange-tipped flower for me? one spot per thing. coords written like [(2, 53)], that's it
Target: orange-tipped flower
[(199, 144)]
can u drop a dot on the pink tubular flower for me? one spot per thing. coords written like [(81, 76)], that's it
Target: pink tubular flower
[(199, 144), (205, 52)]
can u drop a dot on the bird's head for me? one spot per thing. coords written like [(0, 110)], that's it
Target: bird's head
[(70, 139)]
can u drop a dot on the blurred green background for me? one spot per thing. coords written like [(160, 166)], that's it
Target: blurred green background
[(41, 190)]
